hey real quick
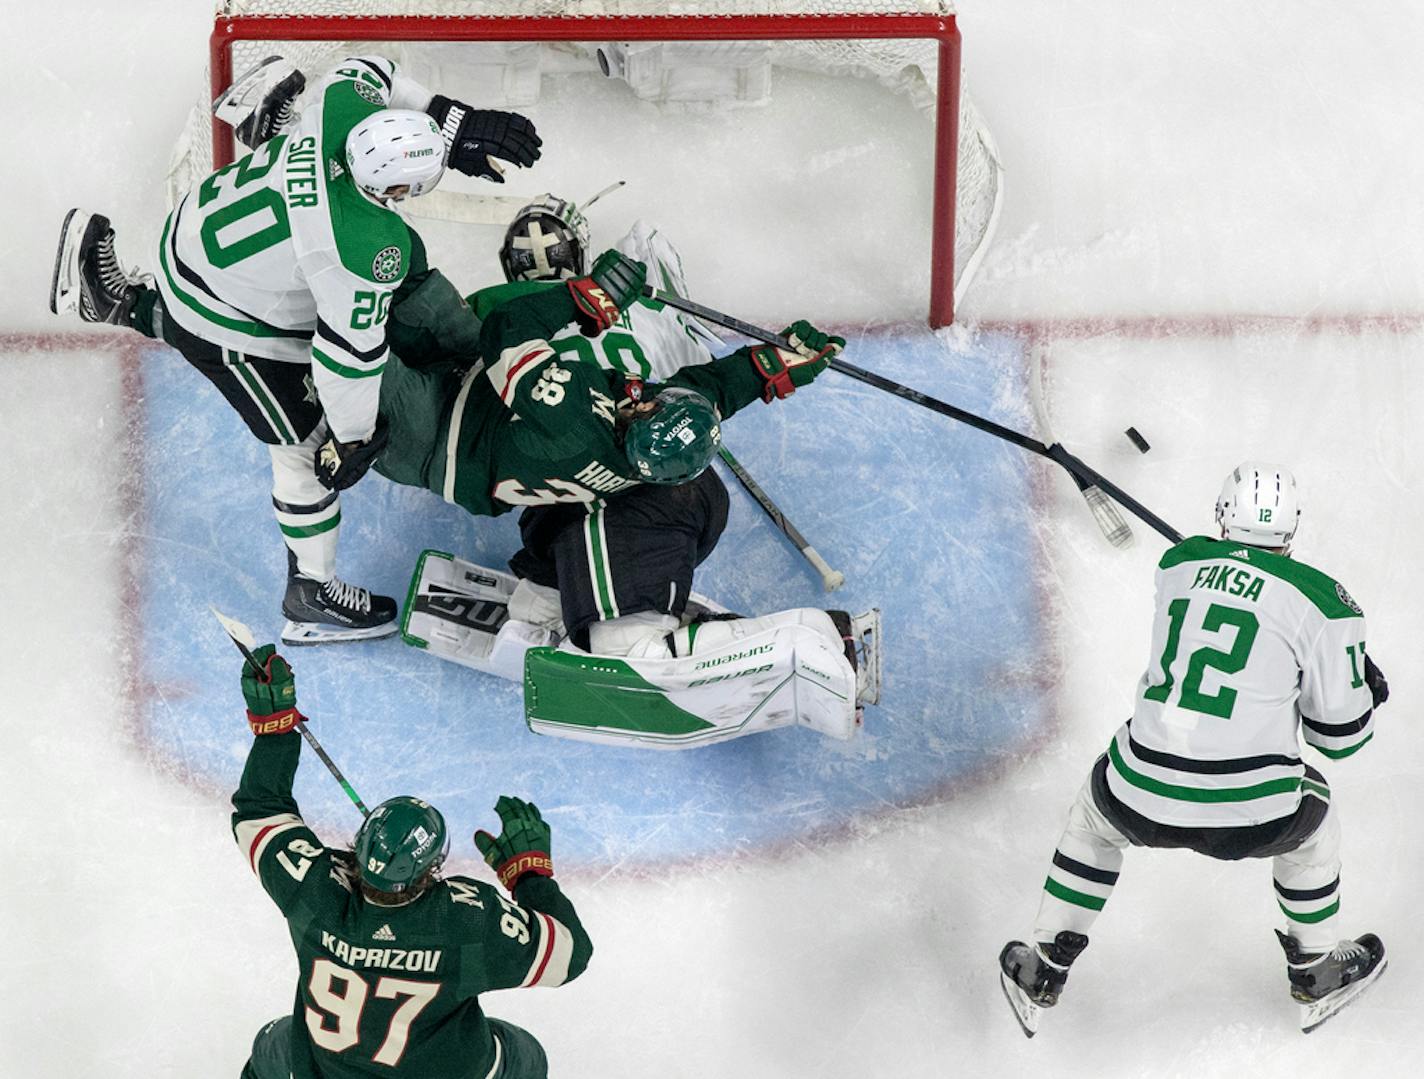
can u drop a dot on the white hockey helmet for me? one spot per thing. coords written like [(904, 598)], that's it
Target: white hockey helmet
[(396, 147), (1259, 505)]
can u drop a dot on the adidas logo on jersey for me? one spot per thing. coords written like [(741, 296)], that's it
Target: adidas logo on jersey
[(1241, 552), (384, 933)]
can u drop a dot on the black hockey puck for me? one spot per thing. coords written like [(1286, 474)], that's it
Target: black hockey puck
[(1137, 440)]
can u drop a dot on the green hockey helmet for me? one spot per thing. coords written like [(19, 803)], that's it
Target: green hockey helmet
[(676, 440), (403, 841)]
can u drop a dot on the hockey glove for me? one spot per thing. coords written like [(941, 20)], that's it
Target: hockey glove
[(473, 136), (271, 692), (615, 282), (783, 370), (1374, 678), (274, 112), (522, 845), (340, 464)]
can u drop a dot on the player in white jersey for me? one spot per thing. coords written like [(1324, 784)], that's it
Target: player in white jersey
[(276, 278), (1251, 650)]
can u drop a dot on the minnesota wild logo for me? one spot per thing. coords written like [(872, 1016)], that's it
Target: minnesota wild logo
[(387, 264)]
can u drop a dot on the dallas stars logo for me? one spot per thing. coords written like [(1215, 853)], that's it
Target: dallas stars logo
[(370, 93), (387, 264)]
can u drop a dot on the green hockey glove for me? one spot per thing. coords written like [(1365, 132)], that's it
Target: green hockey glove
[(270, 689), (784, 371), (523, 843), (615, 282)]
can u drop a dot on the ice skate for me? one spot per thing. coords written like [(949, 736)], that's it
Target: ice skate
[(323, 612), (1324, 982), (87, 276), (1033, 976)]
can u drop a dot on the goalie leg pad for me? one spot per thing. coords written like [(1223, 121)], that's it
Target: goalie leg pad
[(749, 675)]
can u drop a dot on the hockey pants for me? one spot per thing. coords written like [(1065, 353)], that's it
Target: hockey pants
[(278, 403), (520, 1054), (1089, 857)]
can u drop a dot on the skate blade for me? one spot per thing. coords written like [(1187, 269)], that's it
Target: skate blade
[(247, 90), (1025, 1011), (1312, 1016), (304, 633), (64, 283)]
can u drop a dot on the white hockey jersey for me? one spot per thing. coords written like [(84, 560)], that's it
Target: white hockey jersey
[(1250, 650), (280, 255)]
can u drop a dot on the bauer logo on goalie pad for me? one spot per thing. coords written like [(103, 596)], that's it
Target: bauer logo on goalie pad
[(478, 614)]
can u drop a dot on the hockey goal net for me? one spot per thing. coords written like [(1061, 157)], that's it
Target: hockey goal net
[(678, 53)]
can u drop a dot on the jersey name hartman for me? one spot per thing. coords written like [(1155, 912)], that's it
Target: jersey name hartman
[(596, 477), (1230, 579), (301, 173), (423, 960)]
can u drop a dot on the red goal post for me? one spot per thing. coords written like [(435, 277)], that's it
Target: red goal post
[(239, 21)]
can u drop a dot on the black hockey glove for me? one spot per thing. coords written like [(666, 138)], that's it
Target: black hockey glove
[(273, 114), (523, 843), (473, 136), (614, 283), (340, 464), (1374, 678)]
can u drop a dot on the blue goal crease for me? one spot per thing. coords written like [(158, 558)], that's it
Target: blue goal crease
[(923, 516)]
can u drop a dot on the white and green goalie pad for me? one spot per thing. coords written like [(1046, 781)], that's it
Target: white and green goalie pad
[(788, 675), (460, 611)]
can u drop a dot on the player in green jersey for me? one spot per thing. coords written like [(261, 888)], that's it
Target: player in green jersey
[(391, 956), (522, 424), (1252, 652), (276, 278)]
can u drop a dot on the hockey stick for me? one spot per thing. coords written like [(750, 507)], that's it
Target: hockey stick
[(830, 578), (242, 637), (1109, 521), (1055, 452)]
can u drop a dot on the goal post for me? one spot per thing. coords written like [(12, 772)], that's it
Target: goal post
[(812, 26)]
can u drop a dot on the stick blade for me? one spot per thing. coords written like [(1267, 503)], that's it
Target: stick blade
[(238, 631), (1109, 519)]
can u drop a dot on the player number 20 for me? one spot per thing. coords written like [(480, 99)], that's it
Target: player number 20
[(341, 994)]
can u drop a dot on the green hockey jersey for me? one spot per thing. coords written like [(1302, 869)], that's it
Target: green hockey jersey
[(529, 425), (280, 255), (393, 991)]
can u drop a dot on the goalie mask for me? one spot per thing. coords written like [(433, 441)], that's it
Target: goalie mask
[(396, 147), (403, 841), (546, 241), (1258, 505), (676, 441)]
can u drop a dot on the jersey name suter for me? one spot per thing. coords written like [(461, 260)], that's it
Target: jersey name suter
[(417, 960), (301, 182)]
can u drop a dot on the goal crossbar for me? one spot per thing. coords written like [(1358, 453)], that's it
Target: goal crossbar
[(651, 27)]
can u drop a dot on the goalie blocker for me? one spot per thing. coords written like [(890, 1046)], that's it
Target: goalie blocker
[(728, 677)]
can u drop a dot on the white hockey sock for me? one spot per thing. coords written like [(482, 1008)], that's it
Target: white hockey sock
[(307, 513)]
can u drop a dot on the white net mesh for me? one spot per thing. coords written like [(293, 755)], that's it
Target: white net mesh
[(508, 74)]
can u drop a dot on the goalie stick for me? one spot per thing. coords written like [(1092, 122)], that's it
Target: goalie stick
[(830, 578), (242, 636), (1055, 452)]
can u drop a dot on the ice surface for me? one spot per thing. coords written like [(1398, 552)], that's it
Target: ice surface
[(1213, 233)]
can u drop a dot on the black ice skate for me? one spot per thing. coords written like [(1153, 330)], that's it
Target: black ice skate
[(322, 612), (1033, 976), (1324, 982), (87, 275)]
